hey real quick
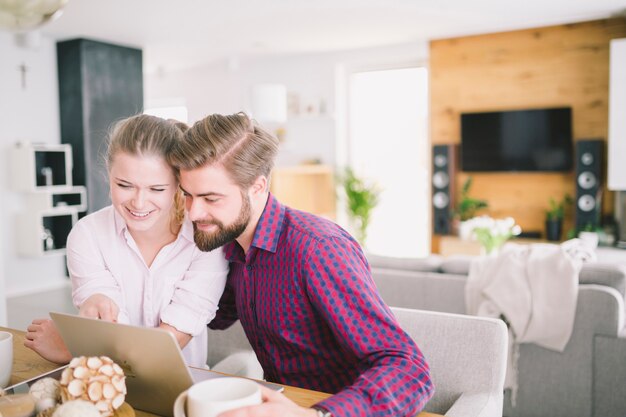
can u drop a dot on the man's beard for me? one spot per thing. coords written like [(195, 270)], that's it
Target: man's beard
[(207, 241)]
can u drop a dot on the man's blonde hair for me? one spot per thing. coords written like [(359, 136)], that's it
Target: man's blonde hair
[(236, 142)]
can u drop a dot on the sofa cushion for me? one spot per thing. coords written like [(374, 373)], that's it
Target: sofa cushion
[(457, 264), (432, 291), (428, 264)]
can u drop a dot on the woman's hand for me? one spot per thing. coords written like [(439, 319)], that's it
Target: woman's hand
[(181, 338), (99, 306), (43, 337)]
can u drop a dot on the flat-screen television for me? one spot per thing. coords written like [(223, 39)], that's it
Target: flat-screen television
[(519, 140)]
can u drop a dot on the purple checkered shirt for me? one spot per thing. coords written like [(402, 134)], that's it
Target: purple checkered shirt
[(308, 304)]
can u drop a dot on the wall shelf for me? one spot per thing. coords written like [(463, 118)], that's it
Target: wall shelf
[(48, 200), (44, 233), (37, 167)]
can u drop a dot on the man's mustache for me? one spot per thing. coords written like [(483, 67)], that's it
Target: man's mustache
[(208, 223)]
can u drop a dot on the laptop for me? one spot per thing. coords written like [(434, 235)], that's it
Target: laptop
[(156, 372)]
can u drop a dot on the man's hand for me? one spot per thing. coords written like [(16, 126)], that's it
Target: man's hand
[(274, 404), (99, 306), (43, 337)]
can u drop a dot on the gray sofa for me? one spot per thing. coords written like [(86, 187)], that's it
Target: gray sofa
[(587, 379)]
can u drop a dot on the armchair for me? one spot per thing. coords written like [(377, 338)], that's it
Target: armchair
[(467, 358)]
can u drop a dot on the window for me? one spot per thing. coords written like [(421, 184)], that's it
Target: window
[(388, 144)]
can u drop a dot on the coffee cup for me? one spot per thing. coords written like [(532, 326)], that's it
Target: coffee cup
[(211, 397), (6, 358)]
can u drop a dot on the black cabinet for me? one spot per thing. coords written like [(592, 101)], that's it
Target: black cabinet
[(99, 83)]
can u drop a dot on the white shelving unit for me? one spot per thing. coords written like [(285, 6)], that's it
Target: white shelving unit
[(43, 172)]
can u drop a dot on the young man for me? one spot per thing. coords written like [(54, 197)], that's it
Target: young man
[(299, 284)]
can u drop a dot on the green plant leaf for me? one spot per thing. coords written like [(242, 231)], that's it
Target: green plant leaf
[(467, 206), (557, 209), (362, 198)]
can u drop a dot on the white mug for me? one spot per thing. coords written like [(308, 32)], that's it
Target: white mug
[(211, 397), (6, 358)]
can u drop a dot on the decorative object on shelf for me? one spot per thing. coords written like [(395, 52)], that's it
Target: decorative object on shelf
[(362, 199), (492, 233), (46, 172), (293, 104), (48, 240), (21, 16), (554, 217)]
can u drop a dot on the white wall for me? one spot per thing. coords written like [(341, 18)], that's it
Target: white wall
[(224, 88), (30, 114)]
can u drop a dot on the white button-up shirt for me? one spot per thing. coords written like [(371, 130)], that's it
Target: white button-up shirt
[(182, 287)]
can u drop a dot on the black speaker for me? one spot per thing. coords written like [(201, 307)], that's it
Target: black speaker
[(588, 182), (444, 166)]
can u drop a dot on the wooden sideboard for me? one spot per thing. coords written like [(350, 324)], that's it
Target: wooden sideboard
[(454, 245), (309, 188)]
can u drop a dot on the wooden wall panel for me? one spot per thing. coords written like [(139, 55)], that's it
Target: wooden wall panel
[(566, 65)]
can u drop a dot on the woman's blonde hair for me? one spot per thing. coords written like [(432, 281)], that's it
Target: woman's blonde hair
[(236, 142), (148, 136)]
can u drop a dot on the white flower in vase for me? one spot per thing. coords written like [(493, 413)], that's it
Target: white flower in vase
[(492, 233)]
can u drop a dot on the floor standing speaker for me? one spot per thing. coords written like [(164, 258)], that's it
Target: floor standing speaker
[(588, 182), (444, 165)]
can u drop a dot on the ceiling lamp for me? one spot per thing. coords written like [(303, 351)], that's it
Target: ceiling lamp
[(24, 15)]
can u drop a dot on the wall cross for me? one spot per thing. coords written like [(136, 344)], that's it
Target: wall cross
[(23, 69)]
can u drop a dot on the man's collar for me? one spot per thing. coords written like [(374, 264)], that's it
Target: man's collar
[(270, 225), (267, 232)]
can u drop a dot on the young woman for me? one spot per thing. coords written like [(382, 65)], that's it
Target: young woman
[(135, 261)]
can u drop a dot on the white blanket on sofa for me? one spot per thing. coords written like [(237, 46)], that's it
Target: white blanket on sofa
[(534, 288)]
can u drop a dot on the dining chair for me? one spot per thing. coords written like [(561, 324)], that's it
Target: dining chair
[(467, 358)]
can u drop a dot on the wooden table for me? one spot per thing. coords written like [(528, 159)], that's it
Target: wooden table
[(27, 364)]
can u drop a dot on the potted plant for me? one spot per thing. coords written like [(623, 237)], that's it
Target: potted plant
[(361, 199), (467, 208), (554, 217)]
